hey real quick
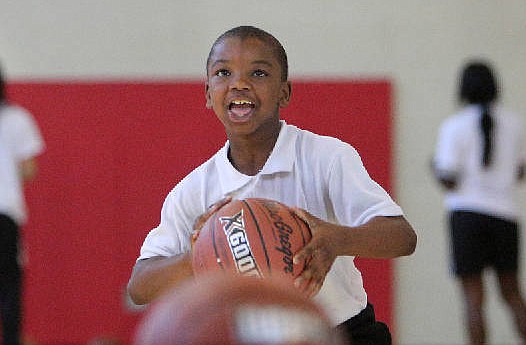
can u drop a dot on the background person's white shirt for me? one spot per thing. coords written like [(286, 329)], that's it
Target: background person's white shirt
[(20, 139), (459, 150)]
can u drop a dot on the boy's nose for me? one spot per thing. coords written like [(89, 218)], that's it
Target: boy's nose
[(239, 83)]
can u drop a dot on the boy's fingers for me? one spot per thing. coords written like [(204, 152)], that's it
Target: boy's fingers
[(301, 282), (312, 221), (195, 235), (201, 220), (307, 285), (304, 215), (313, 288), (302, 255), (216, 206)]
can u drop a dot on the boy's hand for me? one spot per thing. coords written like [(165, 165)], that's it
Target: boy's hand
[(201, 220), (319, 253)]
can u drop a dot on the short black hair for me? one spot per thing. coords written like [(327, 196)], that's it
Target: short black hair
[(478, 84), (246, 31)]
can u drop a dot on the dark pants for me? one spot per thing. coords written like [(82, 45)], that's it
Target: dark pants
[(10, 281), (363, 329)]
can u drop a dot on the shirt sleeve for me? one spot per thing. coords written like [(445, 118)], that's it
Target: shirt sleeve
[(180, 209), (357, 198), (172, 235), (25, 135)]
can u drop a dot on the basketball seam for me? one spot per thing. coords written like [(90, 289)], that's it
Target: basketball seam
[(260, 235)]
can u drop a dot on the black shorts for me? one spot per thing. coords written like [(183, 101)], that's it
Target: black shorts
[(364, 329), (480, 241)]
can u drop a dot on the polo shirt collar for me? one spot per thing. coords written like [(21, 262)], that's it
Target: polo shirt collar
[(281, 159)]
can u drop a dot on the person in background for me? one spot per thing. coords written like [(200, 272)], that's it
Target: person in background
[(20, 144), (480, 158)]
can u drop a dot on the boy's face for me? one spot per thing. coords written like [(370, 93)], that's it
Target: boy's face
[(244, 86)]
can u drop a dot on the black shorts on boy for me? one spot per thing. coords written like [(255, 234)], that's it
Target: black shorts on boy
[(364, 329)]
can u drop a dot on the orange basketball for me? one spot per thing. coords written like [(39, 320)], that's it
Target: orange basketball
[(252, 237)]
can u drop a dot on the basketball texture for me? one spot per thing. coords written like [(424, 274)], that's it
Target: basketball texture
[(252, 237), (216, 309)]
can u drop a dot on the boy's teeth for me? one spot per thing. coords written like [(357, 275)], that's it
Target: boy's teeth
[(241, 104)]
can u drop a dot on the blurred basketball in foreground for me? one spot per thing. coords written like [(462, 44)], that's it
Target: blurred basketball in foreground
[(217, 309), (252, 237)]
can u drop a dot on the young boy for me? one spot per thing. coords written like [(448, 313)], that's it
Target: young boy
[(348, 213)]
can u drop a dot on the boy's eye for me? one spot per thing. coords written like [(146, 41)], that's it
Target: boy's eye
[(222, 73), (260, 73)]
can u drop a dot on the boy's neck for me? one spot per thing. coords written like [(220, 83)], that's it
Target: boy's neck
[(250, 155)]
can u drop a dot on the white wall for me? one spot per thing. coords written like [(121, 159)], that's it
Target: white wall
[(419, 44)]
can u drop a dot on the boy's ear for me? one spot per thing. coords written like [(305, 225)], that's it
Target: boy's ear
[(286, 91), (207, 95)]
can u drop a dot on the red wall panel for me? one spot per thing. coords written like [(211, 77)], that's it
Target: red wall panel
[(114, 150)]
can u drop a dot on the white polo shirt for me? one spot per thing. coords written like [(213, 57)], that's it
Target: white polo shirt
[(459, 149), (20, 139), (320, 174)]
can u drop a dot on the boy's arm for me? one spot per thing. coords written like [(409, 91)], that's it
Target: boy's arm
[(154, 276), (446, 180), (381, 237)]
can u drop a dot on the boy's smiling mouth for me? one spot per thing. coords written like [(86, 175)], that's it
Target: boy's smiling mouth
[(240, 110)]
